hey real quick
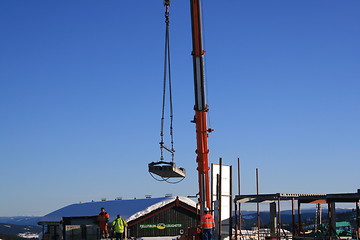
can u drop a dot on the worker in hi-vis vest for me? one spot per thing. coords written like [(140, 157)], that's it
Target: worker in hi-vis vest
[(207, 224), (119, 226), (103, 219)]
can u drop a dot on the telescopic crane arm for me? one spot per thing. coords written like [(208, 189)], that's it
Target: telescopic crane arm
[(200, 107)]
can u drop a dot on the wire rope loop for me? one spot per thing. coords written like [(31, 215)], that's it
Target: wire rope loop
[(179, 173), (167, 84), (163, 179)]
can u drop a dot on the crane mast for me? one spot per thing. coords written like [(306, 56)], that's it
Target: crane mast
[(200, 107)]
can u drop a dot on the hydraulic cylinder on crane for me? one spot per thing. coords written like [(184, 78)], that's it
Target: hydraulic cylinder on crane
[(201, 108)]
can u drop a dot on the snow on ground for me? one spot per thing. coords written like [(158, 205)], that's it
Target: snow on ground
[(28, 235)]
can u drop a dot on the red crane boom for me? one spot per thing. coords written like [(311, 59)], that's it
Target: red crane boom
[(201, 108)]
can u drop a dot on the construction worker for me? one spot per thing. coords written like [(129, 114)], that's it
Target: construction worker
[(103, 218), (207, 224), (119, 226)]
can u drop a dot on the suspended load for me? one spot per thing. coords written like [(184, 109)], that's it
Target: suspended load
[(163, 169), (166, 169)]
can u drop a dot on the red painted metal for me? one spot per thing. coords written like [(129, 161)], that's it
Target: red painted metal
[(202, 152), (200, 107)]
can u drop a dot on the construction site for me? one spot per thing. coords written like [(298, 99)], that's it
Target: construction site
[(182, 218), (84, 81)]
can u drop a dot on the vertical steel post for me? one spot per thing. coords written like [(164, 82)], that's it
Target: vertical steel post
[(236, 221), (293, 216), (318, 216), (273, 220), (220, 199), (299, 218), (357, 220), (230, 204), (332, 220), (257, 202), (329, 220), (279, 219), (239, 192)]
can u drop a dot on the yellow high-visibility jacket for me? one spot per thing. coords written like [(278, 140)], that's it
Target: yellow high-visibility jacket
[(119, 225)]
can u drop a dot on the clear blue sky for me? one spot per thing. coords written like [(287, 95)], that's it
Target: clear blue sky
[(80, 97)]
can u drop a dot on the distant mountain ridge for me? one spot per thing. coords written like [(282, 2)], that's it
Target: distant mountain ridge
[(21, 220)]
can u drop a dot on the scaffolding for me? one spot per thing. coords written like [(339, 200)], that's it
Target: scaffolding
[(276, 230)]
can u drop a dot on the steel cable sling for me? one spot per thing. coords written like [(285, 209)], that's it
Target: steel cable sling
[(164, 169), (167, 73)]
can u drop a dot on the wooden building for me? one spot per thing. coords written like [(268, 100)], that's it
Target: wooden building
[(170, 220), (150, 217)]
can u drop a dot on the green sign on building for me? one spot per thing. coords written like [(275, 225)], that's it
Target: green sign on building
[(160, 225)]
